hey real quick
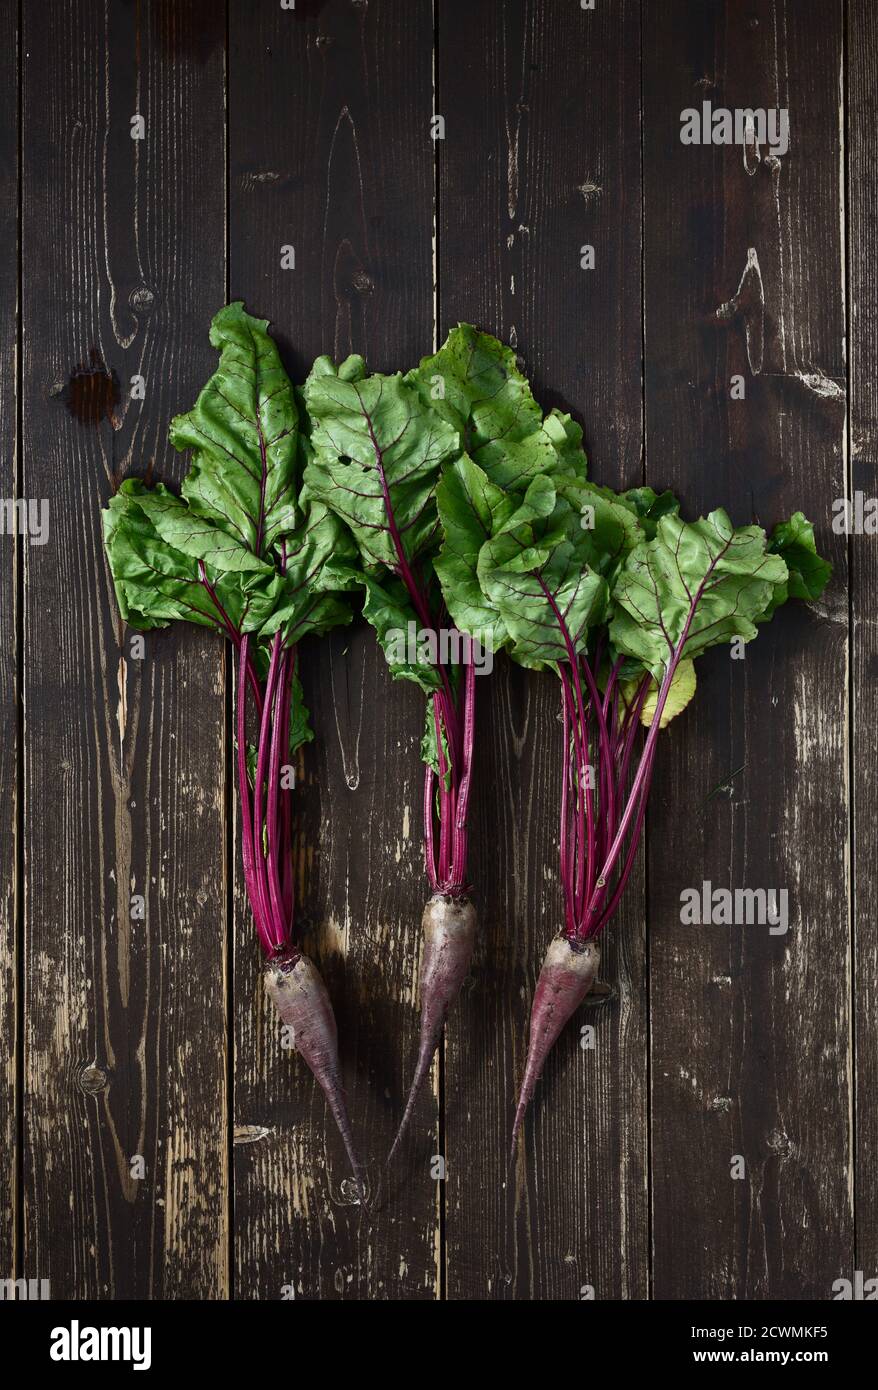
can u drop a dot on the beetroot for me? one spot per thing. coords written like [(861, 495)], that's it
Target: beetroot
[(568, 972), (449, 926), (294, 986)]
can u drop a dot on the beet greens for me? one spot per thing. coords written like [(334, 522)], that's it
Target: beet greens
[(246, 552), (378, 449), (463, 517), (617, 595), (382, 446)]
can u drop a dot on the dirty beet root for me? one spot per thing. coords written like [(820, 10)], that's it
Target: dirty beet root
[(567, 974), (295, 987), (449, 926), (92, 392)]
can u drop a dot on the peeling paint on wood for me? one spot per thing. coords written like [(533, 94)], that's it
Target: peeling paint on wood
[(758, 1065), (124, 1041), (862, 228), (355, 124), (127, 1025), (10, 795), (581, 335)]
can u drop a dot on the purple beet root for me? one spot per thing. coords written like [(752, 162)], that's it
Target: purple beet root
[(449, 926), (295, 987), (567, 975)]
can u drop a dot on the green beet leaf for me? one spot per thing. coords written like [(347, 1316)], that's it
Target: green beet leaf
[(310, 564), (156, 583), (376, 455), (681, 691), (695, 585), (474, 383), (649, 507), (471, 509), (243, 431), (611, 530), (809, 573), (402, 639), (188, 533), (535, 573), (238, 552), (377, 452)]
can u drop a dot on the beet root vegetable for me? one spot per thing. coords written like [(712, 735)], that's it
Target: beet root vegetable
[(242, 550), (295, 987), (568, 972), (401, 442), (449, 927)]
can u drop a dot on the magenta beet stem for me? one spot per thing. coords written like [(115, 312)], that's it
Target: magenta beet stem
[(259, 782), (250, 879), (274, 762)]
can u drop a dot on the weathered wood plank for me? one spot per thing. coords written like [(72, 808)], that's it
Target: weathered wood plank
[(750, 1032), (126, 759), (124, 754), (862, 223), (542, 157), (330, 154), (9, 625)]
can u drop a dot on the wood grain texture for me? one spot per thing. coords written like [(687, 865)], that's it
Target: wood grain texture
[(330, 153), (750, 1033), (9, 628), (734, 1042), (538, 162), (124, 1047), (862, 202)]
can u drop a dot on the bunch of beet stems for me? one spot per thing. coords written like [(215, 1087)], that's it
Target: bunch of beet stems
[(449, 920), (600, 813), (291, 979)]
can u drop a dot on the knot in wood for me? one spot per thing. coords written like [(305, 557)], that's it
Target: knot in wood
[(141, 299), (92, 1079)]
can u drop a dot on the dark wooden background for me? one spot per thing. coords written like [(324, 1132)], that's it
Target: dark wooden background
[(311, 127)]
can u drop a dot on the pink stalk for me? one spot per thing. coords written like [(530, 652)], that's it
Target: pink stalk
[(633, 847), (275, 890), (233, 633), (262, 888), (645, 766), (445, 795), (566, 871), (287, 877), (603, 736), (429, 850), (570, 966), (583, 797), (612, 689), (250, 875), (444, 709), (631, 807), (469, 724), (627, 748)]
